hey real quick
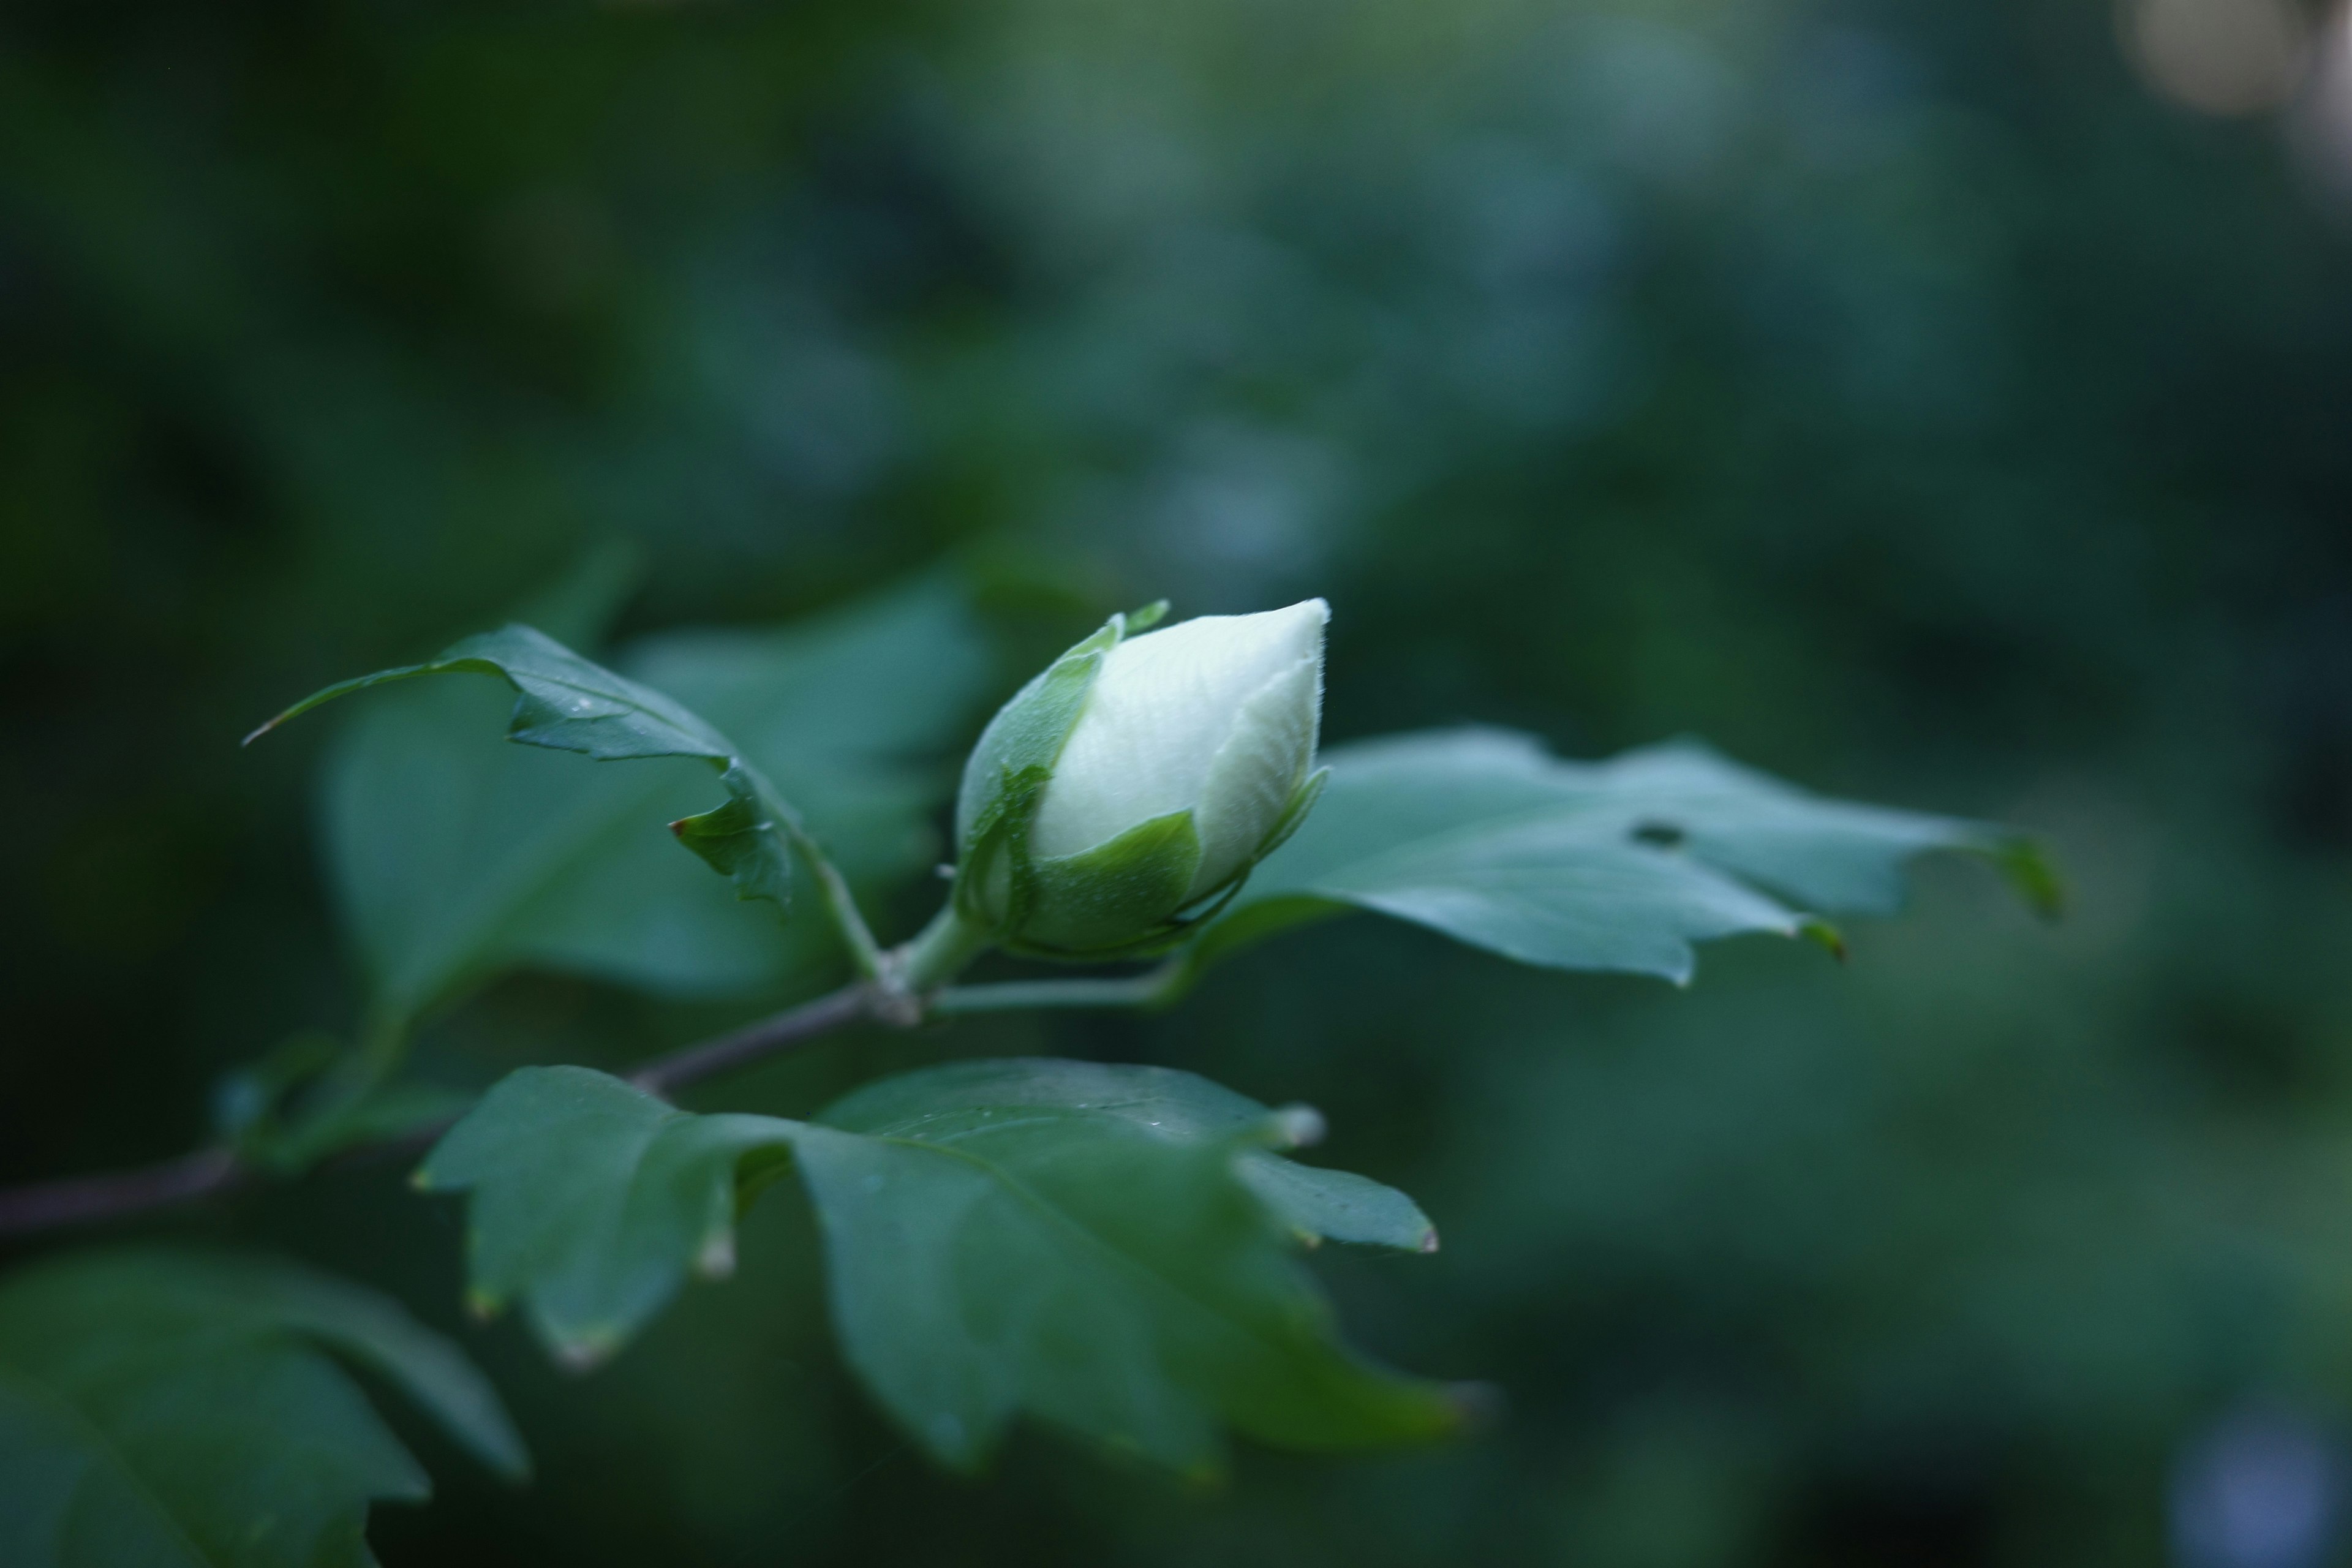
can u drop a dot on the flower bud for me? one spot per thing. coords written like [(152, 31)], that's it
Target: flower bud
[(1112, 802)]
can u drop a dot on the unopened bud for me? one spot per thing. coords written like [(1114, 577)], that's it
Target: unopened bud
[(1139, 779)]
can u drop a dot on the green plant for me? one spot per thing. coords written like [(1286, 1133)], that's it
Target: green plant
[(1113, 1250)]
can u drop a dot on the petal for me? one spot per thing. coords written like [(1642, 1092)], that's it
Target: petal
[(1256, 772), (1159, 713)]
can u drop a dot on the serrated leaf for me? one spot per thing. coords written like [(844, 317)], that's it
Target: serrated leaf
[(1101, 1246), (1081, 1266), (592, 1200), (172, 1408), (1621, 865), (1324, 1205), (454, 859), (567, 703)]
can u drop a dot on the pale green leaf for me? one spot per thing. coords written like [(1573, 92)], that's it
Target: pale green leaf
[(1621, 865)]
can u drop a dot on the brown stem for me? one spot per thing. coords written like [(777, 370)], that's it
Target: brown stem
[(115, 1194), (782, 1031), (81, 1199)]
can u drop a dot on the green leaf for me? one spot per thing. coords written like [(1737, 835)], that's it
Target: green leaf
[(1318, 1204), (567, 703), (1103, 1247), (592, 1200), (1621, 865), (1337, 1205), (172, 1408), (454, 860), (995, 1252)]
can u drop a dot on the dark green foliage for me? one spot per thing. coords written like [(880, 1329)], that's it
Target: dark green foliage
[(178, 1410), (992, 1253), (1109, 1249), (1104, 1248), (454, 859), (568, 704), (1320, 1204), (591, 1201), (1901, 397)]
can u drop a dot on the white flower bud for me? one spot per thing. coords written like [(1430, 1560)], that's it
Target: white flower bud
[(1215, 716), (1159, 769)]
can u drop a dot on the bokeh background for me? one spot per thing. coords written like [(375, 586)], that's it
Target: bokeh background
[(1941, 402)]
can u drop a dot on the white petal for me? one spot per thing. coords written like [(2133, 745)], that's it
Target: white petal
[(1162, 709), (1254, 773)]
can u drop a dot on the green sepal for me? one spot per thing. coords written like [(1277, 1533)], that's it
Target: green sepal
[(1128, 885), (1144, 620), (1017, 752), (1007, 773), (1131, 891)]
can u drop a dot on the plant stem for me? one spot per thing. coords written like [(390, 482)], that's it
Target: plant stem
[(1153, 988), (382, 1048), (835, 1009), (842, 904), (83, 1200), (219, 1170), (904, 989), (939, 952)]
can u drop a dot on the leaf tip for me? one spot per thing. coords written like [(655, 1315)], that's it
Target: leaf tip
[(583, 1351), (950, 1443), (1815, 930), (1298, 1127), (1144, 620), (1203, 1474), (2027, 868), (1429, 1239), (1476, 1406)]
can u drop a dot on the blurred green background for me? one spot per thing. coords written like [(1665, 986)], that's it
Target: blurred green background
[(1939, 402)]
